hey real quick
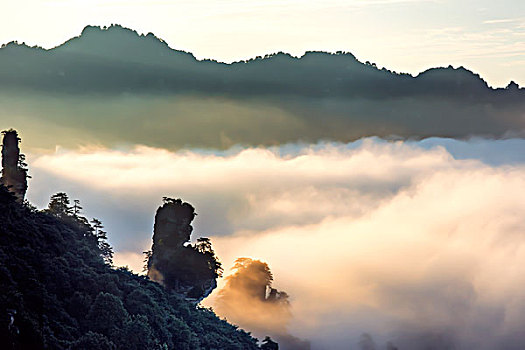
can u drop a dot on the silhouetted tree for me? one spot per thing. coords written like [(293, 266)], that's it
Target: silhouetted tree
[(169, 200), (59, 205), (22, 165), (97, 225), (269, 344), (147, 256), (204, 247), (76, 207), (106, 251)]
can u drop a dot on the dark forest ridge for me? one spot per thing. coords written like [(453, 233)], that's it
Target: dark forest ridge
[(61, 291), (114, 74), (147, 64)]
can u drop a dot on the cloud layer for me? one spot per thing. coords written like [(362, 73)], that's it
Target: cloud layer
[(415, 244)]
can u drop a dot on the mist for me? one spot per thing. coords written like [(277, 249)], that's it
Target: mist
[(114, 87), (248, 299), (389, 244)]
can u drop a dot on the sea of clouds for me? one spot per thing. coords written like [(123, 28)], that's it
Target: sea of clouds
[(380, 244)]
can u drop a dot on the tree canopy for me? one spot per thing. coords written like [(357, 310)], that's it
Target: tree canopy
[(60, 293)]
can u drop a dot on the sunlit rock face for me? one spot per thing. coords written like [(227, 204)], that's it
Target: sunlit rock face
[(14, 176), (181, 267)]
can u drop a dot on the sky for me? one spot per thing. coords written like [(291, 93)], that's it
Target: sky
[(415, 242), (410, 36)]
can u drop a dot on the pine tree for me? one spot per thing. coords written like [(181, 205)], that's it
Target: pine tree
[(106, 251), (59, 205), (76, 207), (269, 344)]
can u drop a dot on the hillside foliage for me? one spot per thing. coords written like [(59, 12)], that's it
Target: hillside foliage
[(59, 290)]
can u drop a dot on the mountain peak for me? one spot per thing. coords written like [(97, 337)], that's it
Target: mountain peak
[(118, 42)]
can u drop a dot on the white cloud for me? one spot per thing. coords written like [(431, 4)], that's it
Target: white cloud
[(402, 240), (498, 21)]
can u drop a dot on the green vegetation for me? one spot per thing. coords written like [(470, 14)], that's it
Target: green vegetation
[(59, 290)]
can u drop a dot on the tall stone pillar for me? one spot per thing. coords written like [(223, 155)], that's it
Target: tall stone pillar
[(14, 175)]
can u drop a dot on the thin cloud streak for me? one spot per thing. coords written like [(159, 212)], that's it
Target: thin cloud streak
[(498, 21)]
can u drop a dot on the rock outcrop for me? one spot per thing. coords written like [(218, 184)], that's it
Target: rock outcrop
[(189, 270), (14, 174), (57, 293)]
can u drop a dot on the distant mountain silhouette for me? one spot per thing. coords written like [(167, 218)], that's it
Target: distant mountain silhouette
[(270, 100)]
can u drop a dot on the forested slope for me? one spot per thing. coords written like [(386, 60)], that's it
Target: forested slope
[(58, 293)]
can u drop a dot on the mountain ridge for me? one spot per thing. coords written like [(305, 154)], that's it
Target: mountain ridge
[(92, 30), (118, 42), (114, 81)]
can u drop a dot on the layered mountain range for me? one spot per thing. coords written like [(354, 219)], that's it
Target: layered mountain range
[(113, 79)]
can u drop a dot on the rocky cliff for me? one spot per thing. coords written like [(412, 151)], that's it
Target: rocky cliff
[(14, 174), (188, 270)]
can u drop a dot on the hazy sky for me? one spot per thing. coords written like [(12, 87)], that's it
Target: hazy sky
[(404, 35), (403, 240)]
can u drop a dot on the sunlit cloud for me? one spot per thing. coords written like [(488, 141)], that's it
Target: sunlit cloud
[(414, 243), (132, 260)]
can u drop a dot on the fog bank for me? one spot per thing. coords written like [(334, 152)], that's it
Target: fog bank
[(411, 244)]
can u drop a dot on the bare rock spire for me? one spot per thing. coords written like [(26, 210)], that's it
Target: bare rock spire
[(14, 173), (189, 270)]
